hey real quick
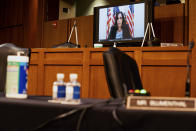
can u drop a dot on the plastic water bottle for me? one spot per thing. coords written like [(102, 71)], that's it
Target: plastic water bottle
[(16, 80), (73, 89), (76, 87), (59, 88)]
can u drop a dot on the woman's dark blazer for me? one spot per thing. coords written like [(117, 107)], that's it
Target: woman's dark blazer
[(125, 29)]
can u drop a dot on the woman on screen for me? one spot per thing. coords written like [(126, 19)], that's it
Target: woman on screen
[(120, 30)]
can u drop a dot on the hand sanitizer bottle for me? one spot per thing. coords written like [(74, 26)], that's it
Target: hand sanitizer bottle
[(17, 73)]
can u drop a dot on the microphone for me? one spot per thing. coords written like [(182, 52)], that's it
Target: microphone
[(188, 78)]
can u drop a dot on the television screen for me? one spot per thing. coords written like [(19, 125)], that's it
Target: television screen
[(120, 23)]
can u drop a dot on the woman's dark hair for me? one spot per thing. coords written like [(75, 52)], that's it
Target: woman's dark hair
[(116, 18), (125, 28)]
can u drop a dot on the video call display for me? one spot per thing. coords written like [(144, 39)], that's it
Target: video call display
[(124, 22)]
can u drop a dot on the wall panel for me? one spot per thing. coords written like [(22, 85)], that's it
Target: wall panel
[(192, 37), (11, 22), (33, 23), (55, 32), (98, 86), (169, 23), (164, 80), (12, 35), (32, 80)]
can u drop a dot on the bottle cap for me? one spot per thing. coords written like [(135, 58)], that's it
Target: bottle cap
[(131, 91), (60, 75), (73, 76), (137, 91), (19, 53), (143, 91)]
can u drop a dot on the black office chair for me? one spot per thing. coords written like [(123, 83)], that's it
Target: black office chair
[(5, 50), (66, 45), (121, 73)]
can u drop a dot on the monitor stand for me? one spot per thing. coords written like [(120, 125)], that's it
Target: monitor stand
[(76, 33), (148, 28)]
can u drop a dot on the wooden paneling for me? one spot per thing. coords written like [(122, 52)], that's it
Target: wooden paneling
[(12, 35), (11, 13), (34, 56), (60, 33), (48, 62), (85, 31), (33, 23), (96, 58), (55, 32), (164, 80), (169, 23), (186, 23), (162, 69), (32, 80), (21, 22), (11, 22), (64, 58), (192, 37), (98, 86), (35, 86), (164, 58)]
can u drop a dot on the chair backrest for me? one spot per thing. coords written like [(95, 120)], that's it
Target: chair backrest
[(5, 50), (66, 45), (121, 71)]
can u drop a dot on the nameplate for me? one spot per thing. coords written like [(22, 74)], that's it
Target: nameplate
[(161, 103)]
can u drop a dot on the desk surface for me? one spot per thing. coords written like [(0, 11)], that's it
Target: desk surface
[(26, 115)]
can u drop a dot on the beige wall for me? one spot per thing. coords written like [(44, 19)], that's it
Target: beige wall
[(86, 7), (67, 4)]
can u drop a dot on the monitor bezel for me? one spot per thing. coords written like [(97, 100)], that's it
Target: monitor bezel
[(132, 42)]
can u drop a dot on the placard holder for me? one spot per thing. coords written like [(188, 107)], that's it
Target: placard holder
[(161, 103)]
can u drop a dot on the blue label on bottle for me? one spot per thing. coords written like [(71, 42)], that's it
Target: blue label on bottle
[(60, 91), (23, 68), (76, 92)]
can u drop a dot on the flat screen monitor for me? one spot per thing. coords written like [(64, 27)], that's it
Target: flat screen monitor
[(124, 24)]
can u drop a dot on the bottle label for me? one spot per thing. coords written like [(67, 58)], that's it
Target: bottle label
[(76, 94), (54, 95), (16, 81), (69, 92), (61, 91)]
